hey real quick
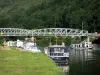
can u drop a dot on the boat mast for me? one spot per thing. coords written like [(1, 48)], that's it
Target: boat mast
[(63, 44), (56, 40), (50, 42)]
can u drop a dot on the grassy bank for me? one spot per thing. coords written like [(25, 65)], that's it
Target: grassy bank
[(14, 62)]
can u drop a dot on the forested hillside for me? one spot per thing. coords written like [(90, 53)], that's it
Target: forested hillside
[(32, 14)]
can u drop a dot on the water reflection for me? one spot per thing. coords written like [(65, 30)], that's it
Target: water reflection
[(84, 62), (64, 67)]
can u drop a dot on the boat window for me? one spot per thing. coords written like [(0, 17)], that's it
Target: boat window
[(60, 54), (55, 54), (51, 50), (51, 54), (58, 50)]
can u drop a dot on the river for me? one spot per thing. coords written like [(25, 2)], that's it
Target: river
[(83, 62)]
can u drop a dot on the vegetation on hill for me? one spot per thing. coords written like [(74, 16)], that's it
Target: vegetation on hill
[(14, 62), (32, 14)]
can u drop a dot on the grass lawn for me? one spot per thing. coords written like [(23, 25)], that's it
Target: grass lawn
[(15, 62)]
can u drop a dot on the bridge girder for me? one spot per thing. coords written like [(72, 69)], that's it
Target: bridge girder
[(43, 32)]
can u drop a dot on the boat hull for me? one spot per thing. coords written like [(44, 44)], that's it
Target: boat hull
[(60, 59)]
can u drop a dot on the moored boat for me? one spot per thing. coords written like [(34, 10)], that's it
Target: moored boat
[(28, 45), (59, 53)]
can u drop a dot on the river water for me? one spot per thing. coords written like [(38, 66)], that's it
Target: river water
[(84, 62)]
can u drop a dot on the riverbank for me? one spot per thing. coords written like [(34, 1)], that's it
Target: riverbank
[(15, 62)]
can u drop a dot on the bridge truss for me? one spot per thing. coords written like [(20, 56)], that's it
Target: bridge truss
[(43, 32)]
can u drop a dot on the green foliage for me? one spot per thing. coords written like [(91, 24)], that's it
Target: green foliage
[(1, 40), (31, 14), (45, 41)]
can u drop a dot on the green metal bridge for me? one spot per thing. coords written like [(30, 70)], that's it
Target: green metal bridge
[(45, 32)]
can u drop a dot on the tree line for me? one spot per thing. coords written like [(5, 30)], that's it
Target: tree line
[(33, 14)]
